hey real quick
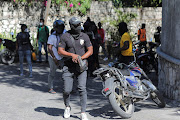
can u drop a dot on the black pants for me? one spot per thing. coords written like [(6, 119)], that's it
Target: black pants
[(126, 59), (93, 63)]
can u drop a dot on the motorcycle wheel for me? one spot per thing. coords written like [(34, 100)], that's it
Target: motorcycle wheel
[(144, 64), (7, 56), (122, 105), (158, 99)]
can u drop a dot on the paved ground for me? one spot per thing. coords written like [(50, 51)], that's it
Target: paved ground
[(23, 98)]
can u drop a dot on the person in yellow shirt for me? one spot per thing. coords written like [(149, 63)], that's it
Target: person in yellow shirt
[(126, 55)]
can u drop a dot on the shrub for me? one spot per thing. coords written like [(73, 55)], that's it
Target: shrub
[(113, 23)]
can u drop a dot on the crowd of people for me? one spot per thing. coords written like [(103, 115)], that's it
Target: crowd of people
[(74, 51)]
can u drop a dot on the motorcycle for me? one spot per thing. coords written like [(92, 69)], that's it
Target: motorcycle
[(8, 53), (126, 84), (149, 60)]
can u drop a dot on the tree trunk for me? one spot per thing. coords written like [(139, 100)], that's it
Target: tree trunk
[(47, 11)]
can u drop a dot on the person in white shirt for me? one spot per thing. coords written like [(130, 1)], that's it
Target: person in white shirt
[(54, 58)]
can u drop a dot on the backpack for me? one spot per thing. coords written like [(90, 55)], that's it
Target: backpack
[(24, 38)]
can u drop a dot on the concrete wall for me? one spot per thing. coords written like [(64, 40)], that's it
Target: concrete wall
[(169, 77), (169, 51), (11, 15), (152, 17), (171, 24)]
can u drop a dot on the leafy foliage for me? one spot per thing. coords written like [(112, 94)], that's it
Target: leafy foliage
[(82, 6), (117, 3), (137, 3), (122, 17), (113, 23)]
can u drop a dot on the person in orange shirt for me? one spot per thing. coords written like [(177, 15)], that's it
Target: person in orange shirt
[(125, 49), (142, 37)]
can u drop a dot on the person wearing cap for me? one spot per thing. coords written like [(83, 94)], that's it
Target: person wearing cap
[(24, 48), (54, 58), (70, 69)]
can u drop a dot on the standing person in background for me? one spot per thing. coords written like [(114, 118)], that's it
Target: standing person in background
[(54, 58), (24, 48), (90, 29), (88, 21), (87, 29), (96, 42), (157, 35), (91, 60), (125, 51), (142, 37), (42, 37), (102, 34)]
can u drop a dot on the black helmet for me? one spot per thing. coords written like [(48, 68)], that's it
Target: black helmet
[(74, 21), (58, 23)]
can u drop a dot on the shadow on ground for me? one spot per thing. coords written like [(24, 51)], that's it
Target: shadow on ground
[(105, 112), (9, 75), (52, 111)]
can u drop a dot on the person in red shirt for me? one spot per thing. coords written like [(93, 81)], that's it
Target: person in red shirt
[(102, 34)]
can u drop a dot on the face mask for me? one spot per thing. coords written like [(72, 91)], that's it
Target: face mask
[(59, 29), (26, 30), (41, 24), (76, 30)]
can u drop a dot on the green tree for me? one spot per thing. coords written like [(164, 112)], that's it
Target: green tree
[(113, 23), (82, 6)]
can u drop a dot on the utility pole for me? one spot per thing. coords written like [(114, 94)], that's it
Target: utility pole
[(47, 11)]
